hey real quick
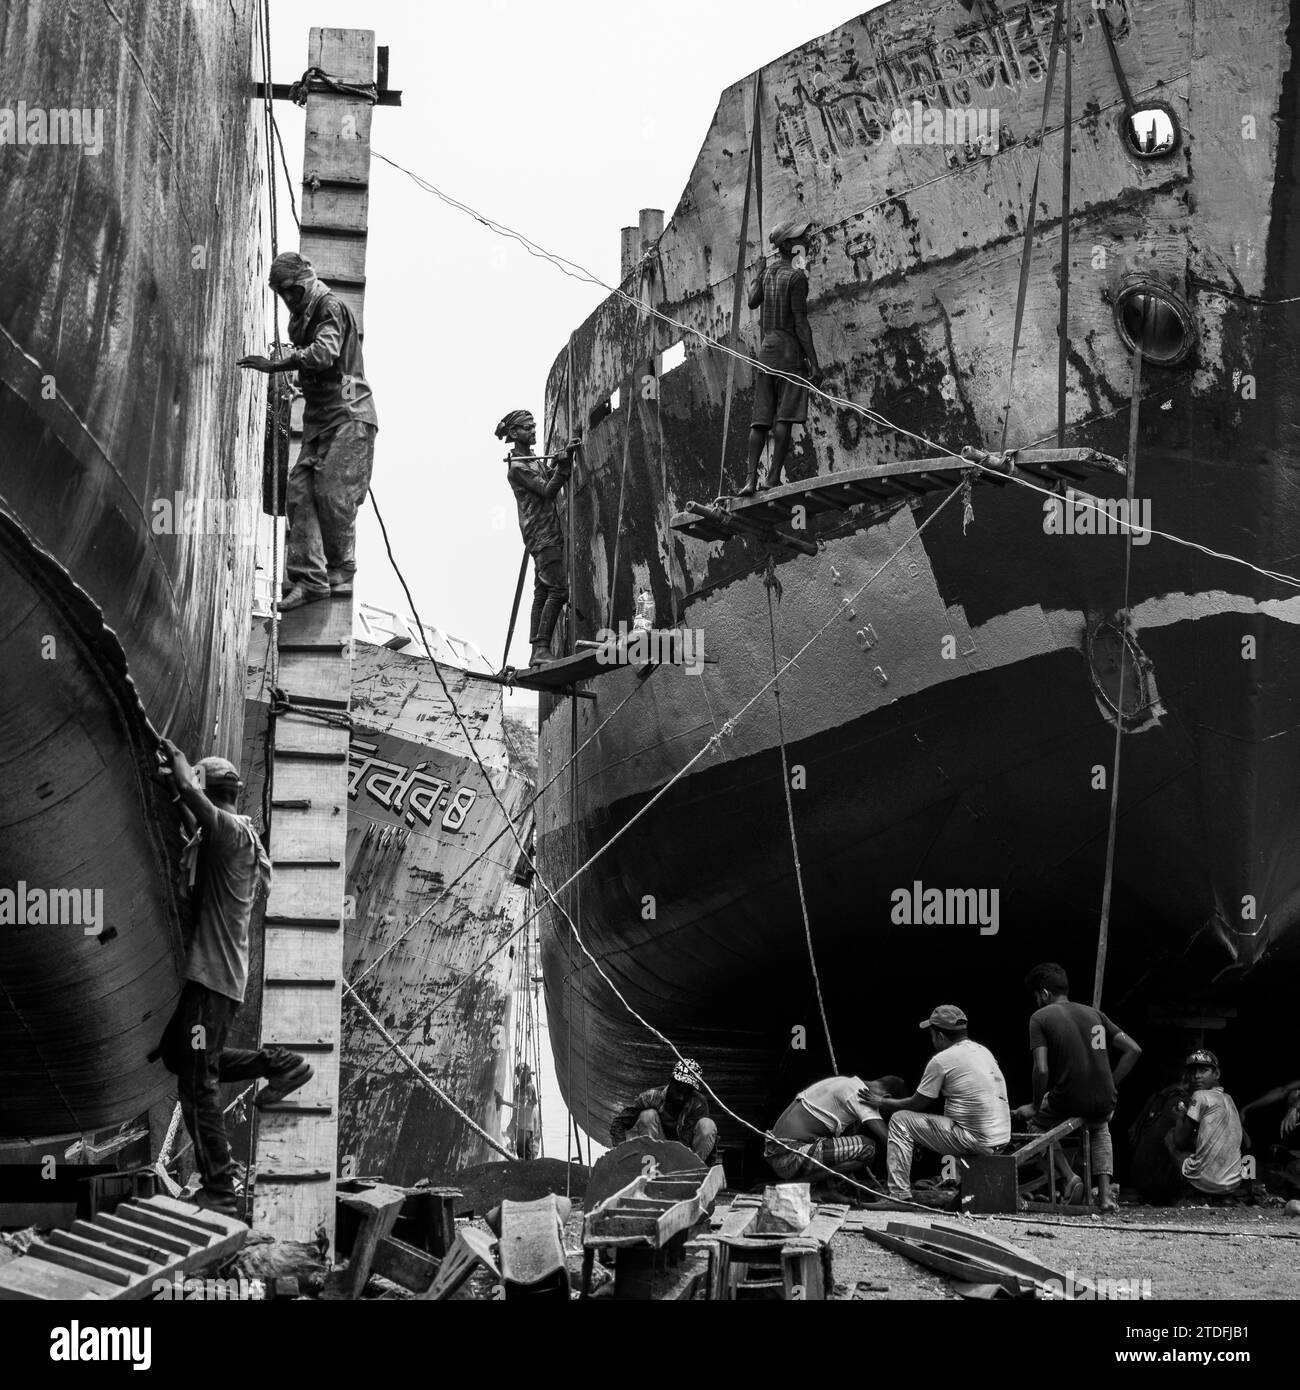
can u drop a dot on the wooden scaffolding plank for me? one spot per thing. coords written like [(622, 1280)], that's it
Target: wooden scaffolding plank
[(885, 486)]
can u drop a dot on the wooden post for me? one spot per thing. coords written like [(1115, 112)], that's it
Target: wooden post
[(297, 1141)]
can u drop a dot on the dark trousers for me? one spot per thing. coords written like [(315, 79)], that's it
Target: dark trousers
[(194, 1050), (550, 591)]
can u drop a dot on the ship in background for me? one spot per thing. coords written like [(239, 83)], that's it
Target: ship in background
[(978, 771), (132, 278)]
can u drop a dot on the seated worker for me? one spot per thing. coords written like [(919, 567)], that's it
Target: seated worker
[(1072, 1075), (976, 1117), (1290, 1093), (676, 1111), (1153, 1170), (1206, 1136), (829, 1125)]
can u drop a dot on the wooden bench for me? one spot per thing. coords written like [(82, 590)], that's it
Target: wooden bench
[(992, 1183)]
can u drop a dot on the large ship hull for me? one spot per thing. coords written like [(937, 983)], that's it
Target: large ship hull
[(435, 901), (132, 280), (954, 712)]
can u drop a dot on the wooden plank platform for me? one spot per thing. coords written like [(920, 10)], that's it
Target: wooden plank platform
[(660, 647), (120, 1257), (882, 489)]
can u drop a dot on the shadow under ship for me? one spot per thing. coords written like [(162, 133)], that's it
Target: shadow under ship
[(954, 726)]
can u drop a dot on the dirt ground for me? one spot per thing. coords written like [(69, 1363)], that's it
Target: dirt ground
[(1248, 1253)]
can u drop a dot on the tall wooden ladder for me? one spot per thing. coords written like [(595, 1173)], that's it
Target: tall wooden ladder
[(297, 1141)]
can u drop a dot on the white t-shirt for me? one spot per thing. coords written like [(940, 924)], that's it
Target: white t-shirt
[(1215, 1167), (835, 1103), (974, 1093)]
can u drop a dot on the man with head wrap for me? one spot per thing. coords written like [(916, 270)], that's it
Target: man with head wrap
[(676, 1111), (786, 347), (330, 479), (536, 486)]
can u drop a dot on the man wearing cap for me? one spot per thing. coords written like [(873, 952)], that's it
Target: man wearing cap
[(1072, 1076), (536, 483), (976, 1117), (676, 1111), (332, 474), (786, 346), (228, 866), (829, 1125), (1205, 1139)]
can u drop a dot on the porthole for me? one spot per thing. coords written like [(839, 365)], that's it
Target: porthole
[(1150, 131), (1159, 320)]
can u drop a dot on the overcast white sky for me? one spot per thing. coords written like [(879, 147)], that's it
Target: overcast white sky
[(561, 119)]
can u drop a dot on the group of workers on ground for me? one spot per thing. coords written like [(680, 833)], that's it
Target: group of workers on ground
[(837, 1127)]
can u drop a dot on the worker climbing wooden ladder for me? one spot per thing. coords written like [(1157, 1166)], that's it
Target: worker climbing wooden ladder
[(297, 1141)]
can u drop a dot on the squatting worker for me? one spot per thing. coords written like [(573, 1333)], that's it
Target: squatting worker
[(976, 1117), (332, 474), (786, 346), (829, 1125), (536, 486), (676, 1111), (229, 867)]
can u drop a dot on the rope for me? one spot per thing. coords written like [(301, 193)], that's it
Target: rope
[(1124, 91), (336, 719), (632, 396), (771, 582), (409, 1062), (755, 156), (1063, 332), (1026, 254), (514, 611), (1103, 931)]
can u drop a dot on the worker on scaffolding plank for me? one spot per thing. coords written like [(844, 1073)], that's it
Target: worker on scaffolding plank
[(536, 481), (330, 479), (227, 867), (787, 346)]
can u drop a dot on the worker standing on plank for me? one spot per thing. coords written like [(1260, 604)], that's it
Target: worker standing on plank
[(1072, 1076), (523, 1124), (536, 486), (976, 1117), (676, 1111), (829, 1125), (229, 867), (330, 479), (786, 346)]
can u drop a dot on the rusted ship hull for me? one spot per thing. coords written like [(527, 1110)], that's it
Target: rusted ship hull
[(131, 282), (954, 719), (438, 971)]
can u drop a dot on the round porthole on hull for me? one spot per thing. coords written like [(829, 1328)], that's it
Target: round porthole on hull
[(1155, 317), (1150, 131)]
